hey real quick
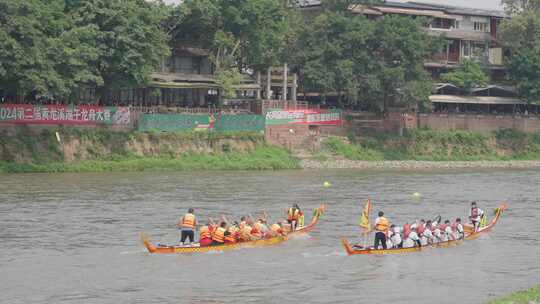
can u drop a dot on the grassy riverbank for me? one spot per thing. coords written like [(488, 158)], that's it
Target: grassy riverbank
[(521, 297), (94, 150), (430, 145), (25, 150)]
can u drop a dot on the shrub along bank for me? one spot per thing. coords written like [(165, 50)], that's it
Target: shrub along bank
[(431, 145), (521, 297), (94, 150)]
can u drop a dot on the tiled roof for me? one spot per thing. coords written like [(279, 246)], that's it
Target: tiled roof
[(464, 10), (425, 6)]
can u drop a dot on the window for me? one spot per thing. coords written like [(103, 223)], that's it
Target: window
[(481, 27), (466, 48)]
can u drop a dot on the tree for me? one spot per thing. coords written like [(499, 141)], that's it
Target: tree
[(521, 36), (126, 40), (467, 76), (40, 52), (524, 70), (375, 62), (243, 35), (514, 7), (399, 47)]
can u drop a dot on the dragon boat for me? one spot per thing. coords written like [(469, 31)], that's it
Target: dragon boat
[(317, 213), (469, 235)]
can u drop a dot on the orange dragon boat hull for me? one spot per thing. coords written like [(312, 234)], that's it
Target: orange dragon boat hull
[(258, 243), (471, 236)]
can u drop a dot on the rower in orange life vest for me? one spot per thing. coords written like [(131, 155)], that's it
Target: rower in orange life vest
[(231, 236), (276, 229), (381, 226), (475, 216), (218, 236), (187, 225), (205, 235), (292, 216)]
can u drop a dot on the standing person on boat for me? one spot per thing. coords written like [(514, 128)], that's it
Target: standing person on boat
[(218, 237), (457, 228), (381, 226), (475, 216), (187, 225), (293, 215)]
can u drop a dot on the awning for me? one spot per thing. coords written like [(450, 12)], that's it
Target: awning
[(200, 85), (416, 12), (476, 100), (506, 89)]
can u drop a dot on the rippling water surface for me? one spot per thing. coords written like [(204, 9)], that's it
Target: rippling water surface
[(73, 238)]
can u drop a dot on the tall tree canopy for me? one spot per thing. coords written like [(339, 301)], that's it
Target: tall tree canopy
[(467, 76), (54, 47), (375, 62), (514, 7), (521, 35), (244, 35)]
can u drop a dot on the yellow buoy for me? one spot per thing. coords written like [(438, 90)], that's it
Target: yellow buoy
[(417, 194), (327, 184)]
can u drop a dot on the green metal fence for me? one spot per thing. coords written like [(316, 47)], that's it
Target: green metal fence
[(240, 123), (187, 122)]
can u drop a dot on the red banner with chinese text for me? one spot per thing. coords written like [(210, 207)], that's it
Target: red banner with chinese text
[(64, 114)]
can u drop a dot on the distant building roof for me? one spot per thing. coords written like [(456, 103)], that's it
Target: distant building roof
[(449, 9), (470, 11), (475, 100)]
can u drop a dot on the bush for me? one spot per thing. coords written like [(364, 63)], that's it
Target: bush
[(351, 151)]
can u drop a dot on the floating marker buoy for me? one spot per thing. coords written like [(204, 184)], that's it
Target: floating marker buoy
[(417, 194), (327, 184)]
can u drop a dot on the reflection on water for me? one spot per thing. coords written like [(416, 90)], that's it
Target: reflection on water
[(73, 238)]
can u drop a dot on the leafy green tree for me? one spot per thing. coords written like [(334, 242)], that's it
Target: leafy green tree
[(467, 76), (521, 35), (524, 70), (126, 40), (375, 62), (40, 52), (55, 47), (243, 35), (518, 6)]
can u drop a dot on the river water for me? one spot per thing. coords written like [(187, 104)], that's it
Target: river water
[(73, 238)]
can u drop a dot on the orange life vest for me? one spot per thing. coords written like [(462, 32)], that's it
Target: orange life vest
[(205, 233), (256, 232), (219, 235), (245, 232), (188, 221), (276, 228), (231, 238), (382, 225), (293, 214)]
